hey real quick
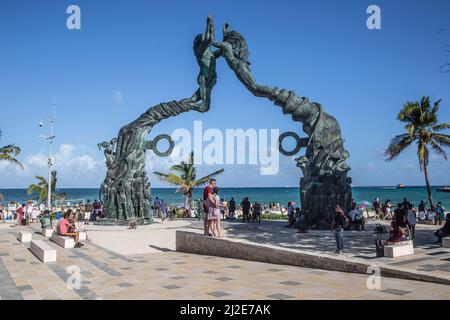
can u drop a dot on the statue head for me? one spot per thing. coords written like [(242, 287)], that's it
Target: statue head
[(237, 41)]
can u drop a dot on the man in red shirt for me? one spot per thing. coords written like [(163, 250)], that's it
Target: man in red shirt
[(207, 194)]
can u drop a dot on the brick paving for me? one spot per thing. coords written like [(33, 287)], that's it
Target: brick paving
[(106, 274)]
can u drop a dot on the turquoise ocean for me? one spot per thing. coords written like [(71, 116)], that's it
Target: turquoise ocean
[(262, 195)]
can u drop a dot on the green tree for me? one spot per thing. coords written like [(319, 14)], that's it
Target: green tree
[(9, 153), (422, 128), (41, 189), (186, 180)]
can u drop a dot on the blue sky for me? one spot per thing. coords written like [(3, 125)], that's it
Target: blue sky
[(130, 55)]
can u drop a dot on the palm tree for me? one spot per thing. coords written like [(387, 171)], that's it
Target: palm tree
[(187, 180), (41, 189), (421, 124), (9, 153)]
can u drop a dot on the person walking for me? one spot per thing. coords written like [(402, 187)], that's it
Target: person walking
[(340, 221), (245, 209), (411, 218), (163, 211), (378, 209), (440, 213), (231, 208)]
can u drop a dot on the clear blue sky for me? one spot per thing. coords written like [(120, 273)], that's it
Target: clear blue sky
[(130, 55)]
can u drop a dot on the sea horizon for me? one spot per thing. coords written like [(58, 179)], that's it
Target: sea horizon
[(361, 194)]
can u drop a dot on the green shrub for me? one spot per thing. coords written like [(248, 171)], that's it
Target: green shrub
[(273, 216)]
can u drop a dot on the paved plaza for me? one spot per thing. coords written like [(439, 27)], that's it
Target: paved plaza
[(118, 263)]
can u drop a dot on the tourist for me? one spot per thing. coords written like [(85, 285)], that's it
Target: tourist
[(444, 231), (35, 212), (42, 207), (208, 199), (256, 212), (214, 214), (421, 206), (412, 220), (246, 205), (65, 228), (223, 208), (378, 208), (20, 215), (337, 226), (357, 218), (290, 214), (231, 209), (387, 210), (396, 233), (400, 215), (422, 216), (164, 211), (28, 212), (200, 212), (46, 220), (440, 213), (405, 203), (431, 215), (157, 207)]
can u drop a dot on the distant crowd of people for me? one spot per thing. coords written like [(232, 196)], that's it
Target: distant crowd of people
[(403, 220), (31, 211)]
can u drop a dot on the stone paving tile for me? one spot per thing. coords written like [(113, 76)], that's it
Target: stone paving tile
[(218, 294), (290, 283), (396, 291), (196, 277), (280, 296)]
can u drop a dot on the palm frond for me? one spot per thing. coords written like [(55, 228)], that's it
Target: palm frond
[(10, 149), (170, 178), (398, 144), (436, 148), (440, 127), (206, 179), (10, 159)]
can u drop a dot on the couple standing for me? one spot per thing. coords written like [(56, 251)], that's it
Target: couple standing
[(211, 206)]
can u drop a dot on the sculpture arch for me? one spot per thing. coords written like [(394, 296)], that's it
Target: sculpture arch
[(126, 191)]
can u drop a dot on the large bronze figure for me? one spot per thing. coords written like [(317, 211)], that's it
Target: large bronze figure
[(325, 183), (125, 191)]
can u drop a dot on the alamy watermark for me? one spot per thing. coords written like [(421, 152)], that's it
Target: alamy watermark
[(236, 146), (374, 280), (373, 22)]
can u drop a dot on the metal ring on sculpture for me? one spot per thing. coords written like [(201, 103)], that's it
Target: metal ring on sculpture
[(298, 142), (158, 139)]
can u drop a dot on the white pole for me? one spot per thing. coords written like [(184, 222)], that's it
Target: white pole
[(50, 160)]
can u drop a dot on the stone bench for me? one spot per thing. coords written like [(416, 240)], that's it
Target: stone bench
[(43, 251), (394, 250), (25, 236), (47, 232), (65, 242), (446, 242)]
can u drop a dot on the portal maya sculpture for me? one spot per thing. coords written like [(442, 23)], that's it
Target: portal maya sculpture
[(126, 191)]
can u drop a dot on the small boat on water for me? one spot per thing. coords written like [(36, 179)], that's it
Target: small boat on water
[(400, 186), (444, 189)]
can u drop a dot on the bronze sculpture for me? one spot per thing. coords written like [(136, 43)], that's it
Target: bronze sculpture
[(126, 191)]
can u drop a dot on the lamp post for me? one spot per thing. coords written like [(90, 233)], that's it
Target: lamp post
[(50, 139)]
